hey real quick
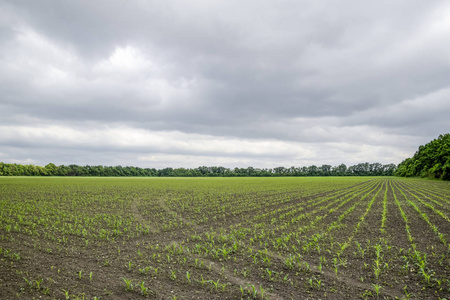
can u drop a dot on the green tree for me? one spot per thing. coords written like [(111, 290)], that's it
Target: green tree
[(430, 160)]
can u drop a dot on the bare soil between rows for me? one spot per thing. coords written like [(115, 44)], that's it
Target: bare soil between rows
[(100, 269)]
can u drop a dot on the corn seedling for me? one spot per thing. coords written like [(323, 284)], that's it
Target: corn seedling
[(224, 285), (188, 276), (144, 290), (38, 283), (214, 283), (262, 291), (253, 291), (128, 284), (203, 281), (377, 289), (29, 282), (241, 288), (405, 289), (173, 274), (66, 294)]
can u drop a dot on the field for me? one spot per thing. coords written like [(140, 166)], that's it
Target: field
[(224, 238)]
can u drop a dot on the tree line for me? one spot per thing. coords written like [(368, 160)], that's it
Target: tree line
[(361, 169), (431, 160)]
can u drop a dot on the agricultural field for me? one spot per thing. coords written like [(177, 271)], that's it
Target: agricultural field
[(224, 238)]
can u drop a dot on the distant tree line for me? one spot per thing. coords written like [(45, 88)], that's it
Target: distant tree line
[(431, 160), (362, 169)]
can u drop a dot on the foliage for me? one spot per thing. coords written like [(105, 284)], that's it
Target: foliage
[(431, 160), (361, 169)]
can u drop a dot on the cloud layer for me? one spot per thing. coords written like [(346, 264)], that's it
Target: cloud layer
[(188, 83)]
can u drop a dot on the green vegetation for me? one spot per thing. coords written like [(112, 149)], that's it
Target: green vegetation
[(431, 160), (217, 238), (362, 169)]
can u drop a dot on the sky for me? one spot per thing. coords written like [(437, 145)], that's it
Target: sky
[(222, 83)]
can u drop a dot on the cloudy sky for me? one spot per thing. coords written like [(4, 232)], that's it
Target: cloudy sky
[(230, 83)]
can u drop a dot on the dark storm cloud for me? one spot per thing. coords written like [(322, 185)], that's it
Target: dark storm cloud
[(297, 77)]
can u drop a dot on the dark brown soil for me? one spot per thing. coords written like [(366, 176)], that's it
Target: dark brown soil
[(37, 267)]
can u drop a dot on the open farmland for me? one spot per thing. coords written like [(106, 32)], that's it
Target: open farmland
[(224, 238)]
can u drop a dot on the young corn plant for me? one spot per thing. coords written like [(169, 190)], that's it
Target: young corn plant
[(29, 282), (241, 288), (262, 291), (173, 274), (383, 216), (307, 268), (203, 281), (289, 262), (215, 283), (377, 289), (144, 290), (128, 284), (188, 276), (224, 285), (407, 294), (253, 292), (311, 282), (38, 283), (318, 284), (66, 294), (269, 272)]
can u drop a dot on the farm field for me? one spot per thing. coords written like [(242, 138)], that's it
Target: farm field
[(224, 238)]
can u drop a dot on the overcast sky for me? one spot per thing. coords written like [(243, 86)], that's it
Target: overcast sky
[(230, 83)]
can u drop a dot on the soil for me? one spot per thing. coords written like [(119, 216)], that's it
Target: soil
[(50, 269)]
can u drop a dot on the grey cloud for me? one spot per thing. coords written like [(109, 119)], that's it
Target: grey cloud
[(308, 71)]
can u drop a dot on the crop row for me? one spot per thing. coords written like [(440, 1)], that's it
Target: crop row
[(243, 238)]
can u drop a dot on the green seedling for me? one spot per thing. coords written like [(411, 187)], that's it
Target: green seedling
[(38, 283), (188, 276), (214, 283), (241, 288), (173, 274), (129, 284), (144, 290), (29, 282), (254, 291), (262, 291), (377, 288)]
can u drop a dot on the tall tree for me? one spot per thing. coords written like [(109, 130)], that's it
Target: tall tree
[(431, 160)]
